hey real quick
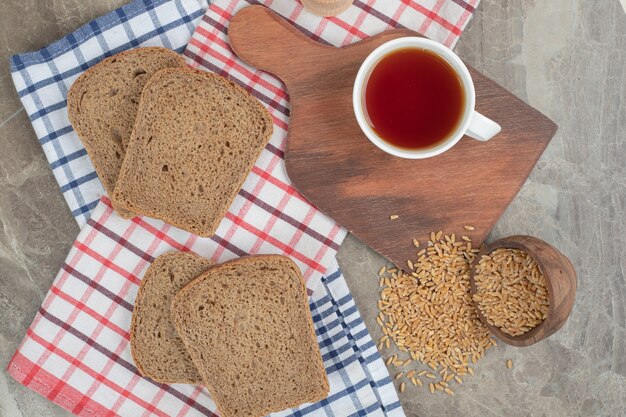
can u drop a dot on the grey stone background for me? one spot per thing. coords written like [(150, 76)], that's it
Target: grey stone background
[(565, 57)]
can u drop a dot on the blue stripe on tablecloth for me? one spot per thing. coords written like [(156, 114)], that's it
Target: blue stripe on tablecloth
[(58, 149), (67, 158), (78, 181), (83, 34), (348, 319), (83, 64), (85, 210)]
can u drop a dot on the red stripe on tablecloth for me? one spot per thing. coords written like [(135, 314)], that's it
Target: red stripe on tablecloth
[(307, 220), (88, 310), (116, 358), (398, 14), (224, 244), (280, 245), (357, 23), (430, 15), (153, 403), (121, 399), (194, 395), (295, 13), (269, 225), (121, 244), (317, 34), (141, 222), (103, 374), (296, 237), (68, 398), (279, 94), (435, 10), (106, 262), (352, 29), (288, 188), (323, 249), (460, 23), (87, 370)]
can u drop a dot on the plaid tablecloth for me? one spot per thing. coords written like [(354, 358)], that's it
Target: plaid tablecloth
[(76, 351)]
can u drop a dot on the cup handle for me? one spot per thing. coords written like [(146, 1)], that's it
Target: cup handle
[(482, 128)]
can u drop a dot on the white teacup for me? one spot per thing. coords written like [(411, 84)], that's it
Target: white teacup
[(473, 124)]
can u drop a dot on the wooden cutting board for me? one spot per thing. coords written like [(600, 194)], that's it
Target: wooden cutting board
[(332, 163)]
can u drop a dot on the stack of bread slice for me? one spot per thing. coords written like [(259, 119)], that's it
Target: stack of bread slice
[(166, 140), (243, 329)]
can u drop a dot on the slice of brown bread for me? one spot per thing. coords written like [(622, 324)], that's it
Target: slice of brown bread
[(158, 352), (102, 105), (248, 328), (195, 140)]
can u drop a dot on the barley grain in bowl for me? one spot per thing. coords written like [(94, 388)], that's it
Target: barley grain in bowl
[(523, 288), (511, 291)]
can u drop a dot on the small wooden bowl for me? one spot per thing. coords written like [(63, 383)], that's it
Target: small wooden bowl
[(560, 282)]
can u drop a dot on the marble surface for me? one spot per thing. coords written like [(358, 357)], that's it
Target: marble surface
[(565, 57)]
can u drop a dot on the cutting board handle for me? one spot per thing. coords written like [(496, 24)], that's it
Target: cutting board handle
[(278, 48)]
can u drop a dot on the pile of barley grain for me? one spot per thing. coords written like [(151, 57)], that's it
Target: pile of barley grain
[(429, 313), (511, 291)]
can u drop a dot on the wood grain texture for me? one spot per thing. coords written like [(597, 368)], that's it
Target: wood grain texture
[(333, 164), (560, 279)]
